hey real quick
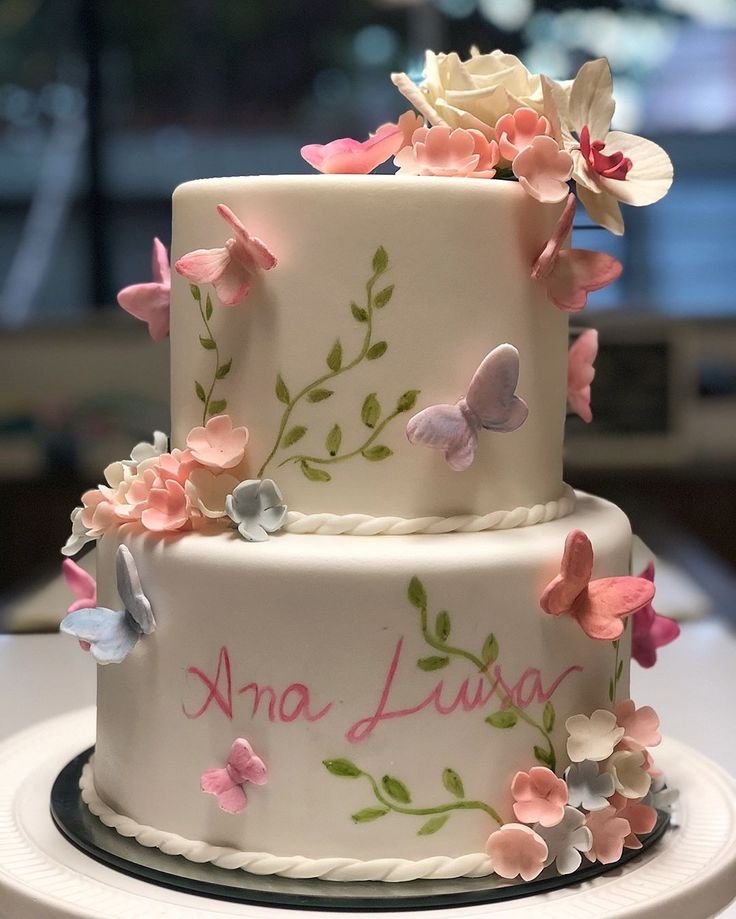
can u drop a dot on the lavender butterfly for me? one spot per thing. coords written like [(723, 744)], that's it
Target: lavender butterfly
[(112, 634), (491, 404)]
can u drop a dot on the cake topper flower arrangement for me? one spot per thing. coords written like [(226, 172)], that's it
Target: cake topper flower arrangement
[(489, 117)]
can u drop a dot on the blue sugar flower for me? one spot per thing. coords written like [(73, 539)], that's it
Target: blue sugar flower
[(257, 507)]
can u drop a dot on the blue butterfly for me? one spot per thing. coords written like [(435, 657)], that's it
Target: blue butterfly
[(112, 634)]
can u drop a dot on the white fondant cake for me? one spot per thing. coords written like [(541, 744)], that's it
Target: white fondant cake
[(425, 672)]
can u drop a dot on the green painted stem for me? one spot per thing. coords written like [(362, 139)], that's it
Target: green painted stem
[(324, 461), (205, 411), (330, 375), (428, 811)]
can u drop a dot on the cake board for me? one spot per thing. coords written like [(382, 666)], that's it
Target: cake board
[(690, 872)]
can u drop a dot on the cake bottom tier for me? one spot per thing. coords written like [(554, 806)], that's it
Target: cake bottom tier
[(392, 686)]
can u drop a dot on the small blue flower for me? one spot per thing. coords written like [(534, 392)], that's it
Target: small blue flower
[(257, 507), (587, 787)]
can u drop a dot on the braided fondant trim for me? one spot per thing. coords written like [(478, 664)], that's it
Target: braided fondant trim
[(292, 866), (364, 525)]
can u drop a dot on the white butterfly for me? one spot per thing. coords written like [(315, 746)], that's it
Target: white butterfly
[(491, 404)]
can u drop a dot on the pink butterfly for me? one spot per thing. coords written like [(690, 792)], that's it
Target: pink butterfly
[(227, 784), (571, 274), (84, 588), (229, 269), (150, 301), (600, 605), (491, 404), (580, 373)]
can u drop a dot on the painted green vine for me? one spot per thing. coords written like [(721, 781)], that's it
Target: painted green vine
[(618, 667), (313, 465), (392, 796), (509, 714), (210, 406)]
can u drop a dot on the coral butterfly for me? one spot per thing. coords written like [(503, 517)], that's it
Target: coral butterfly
[(227, 784)]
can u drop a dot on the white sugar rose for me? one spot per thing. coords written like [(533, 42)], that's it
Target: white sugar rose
[(474, 93)]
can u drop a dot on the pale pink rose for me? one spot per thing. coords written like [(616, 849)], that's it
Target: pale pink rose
[(354, 157), (641, 725), (516, 850), (218, 444), (540, 796), (167, 508), (641, 818), (150, 301), (516, 130), (543, 170), (609, 832), (440, 151)]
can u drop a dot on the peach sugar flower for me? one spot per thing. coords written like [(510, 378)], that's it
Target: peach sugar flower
[(218, 444), (539, 796), (441, 151), (641, 818), (516, 850), (609, 832), (167, 507)]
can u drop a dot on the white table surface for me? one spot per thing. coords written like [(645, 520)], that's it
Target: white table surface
[(693, 687)]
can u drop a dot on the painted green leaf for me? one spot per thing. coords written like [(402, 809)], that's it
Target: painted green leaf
[(319, 395), (342, 767), (380, 260), (334, 439), (208, 307), (282, 391), (417, 594), (377, 452), (207, 343), (334, 358), (433, 824), (216, 407), (442, 625), (544, 757), (377, 350), (224, 369), (196, 293), (502, 719), (433, 663), (199, 389), (408, 400), (610, 689), (314, 475), (371, 410), (620, 670), (616, 643), (368, 814), (548, 716), (383, 296), (396, 789), (453, 783), (293, 435), (358, 312), (489, 652)]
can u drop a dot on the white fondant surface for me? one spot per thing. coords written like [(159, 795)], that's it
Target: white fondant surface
[(329, 614), (460, 253)]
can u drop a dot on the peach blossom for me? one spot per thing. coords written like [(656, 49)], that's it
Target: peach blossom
[(609, 832), (543, 170), (177, 465), (641, 818), (167, 508), (516, 130), (440, 151), (218, 444), (640, 724), (516, 850), (540, 796)]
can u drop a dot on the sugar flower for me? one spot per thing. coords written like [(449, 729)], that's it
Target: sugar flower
[(631, 171), (609, 832), (543, 170), (177, 465), (218, 444), (150, 301), (146, 451), (229, 269), (641, 817), (641, 725), (566, 840), (440, 151), (79, 536), (587, 787), (516, 850), (660, 796), (167, 508), (628, 768), (580, 373), (592, 738), (207, 492), (539, 796), (354, 157), (516, 130), (257, 507), (650, 630)]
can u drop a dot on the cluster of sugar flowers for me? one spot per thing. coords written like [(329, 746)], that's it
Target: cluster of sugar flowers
[(606, 800), (489, 116), (182, 489)]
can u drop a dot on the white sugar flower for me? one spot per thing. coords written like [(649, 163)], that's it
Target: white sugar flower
[(592, 738), (629, 775), (660, 796), (587, 787), (79, 536), (144, 450), (566, 841), (208, 492)]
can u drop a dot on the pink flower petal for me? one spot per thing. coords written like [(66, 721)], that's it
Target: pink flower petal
[(641, 725), (202, 266), (351, 157), (543, 170), (218, 445), (516, 850), (516, 130), (167, 508), (254, 248), (609, 832)]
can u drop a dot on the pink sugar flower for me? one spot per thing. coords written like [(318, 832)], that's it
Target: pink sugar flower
[(516, 850), (167, 508), (650, 630), (641, 725), (580, 373), (540, 796), (609, 832), (98, 513), (151, 301), (543, 170), (354, 157), (229, 269), (441, 151), (516, 130), (218, 445), (641, 818), (177, 465)]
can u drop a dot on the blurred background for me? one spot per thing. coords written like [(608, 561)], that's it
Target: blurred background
[(105, 107)]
